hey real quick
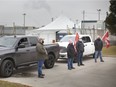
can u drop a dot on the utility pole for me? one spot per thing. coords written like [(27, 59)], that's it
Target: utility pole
[(24, 20), (99, 10), (83, 15), (14, 29), (83, 19), (105, 22), (52, 19), (83, 22)]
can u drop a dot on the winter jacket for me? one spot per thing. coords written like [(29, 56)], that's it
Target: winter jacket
[(80, 46), (70, 51), (98, 44), (41, 51)]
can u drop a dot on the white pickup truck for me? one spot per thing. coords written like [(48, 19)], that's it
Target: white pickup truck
[(89, 48)]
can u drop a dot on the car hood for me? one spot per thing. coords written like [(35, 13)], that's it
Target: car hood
[(5, 50), (63, 44)]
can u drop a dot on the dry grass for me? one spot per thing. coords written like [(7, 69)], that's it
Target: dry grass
[(9, 84), (111, 51)]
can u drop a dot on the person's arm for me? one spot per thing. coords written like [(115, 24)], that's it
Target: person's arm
[(41, 49), (77, 46), (102, 44)]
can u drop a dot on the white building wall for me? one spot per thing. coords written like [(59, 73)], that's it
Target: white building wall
[(48, 36)]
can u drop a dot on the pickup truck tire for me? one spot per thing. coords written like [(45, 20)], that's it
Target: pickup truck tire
[(49, 63), (6, 69)]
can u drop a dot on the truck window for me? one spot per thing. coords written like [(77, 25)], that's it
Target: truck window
[(33, 41), (86, 39), (24, 41)]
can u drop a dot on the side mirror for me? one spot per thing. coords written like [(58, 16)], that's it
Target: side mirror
[(21, 46)]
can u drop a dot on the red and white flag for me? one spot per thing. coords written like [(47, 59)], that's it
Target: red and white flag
[(76, 39), (106, 39)]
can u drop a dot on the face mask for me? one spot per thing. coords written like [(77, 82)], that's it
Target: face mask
[(42, 41)]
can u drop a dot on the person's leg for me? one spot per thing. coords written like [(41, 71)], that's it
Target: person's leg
[(100, 54), (96, 56), (69, 63), (40, 64), (39, 68), (72, 63), (78, 58), (81, 59)]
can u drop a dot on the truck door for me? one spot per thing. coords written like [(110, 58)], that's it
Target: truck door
[(23, 53), (88, 45), (33, 41)]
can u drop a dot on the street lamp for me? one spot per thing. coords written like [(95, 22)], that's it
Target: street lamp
[(98, 13)]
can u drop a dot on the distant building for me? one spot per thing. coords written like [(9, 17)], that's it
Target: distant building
[(18, 30), (89, 24)]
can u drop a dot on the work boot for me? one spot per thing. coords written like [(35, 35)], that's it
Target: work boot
[(73, 68), (41, 76), (82, 64), (102, 61), (69, 68)]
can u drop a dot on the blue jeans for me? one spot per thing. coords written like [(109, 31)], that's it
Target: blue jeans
[(97, 54), (70, 63), (40, 64), (79, 58)]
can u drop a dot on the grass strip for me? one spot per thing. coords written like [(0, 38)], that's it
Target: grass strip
[(10, 84)]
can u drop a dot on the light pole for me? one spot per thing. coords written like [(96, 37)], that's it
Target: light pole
[(83, 15), (99, 10), (24, 19), (83, 19)]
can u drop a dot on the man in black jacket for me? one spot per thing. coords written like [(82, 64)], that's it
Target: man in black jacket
[(98, 48), (70, 55), (80, 50)]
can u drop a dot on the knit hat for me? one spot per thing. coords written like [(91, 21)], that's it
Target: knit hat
[(70, 41), (41, 39)]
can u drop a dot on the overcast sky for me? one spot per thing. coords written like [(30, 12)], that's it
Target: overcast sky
[(40, 12)]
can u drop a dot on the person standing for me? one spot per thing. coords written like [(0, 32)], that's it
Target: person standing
[(70, 55), (80, 50), (98, 49), (41, 55)]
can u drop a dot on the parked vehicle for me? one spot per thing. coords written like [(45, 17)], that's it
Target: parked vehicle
[(88, 45), (16, 51)]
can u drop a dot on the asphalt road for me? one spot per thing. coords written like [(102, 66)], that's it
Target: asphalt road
[(91, 75)]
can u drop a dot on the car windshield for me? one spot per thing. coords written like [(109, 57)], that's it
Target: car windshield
[(7, 41), (67, 38)]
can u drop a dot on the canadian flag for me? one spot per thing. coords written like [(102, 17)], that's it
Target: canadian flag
[(106, 39), (76, 39)]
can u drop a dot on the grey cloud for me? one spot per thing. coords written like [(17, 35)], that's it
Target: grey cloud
[(37, 4)]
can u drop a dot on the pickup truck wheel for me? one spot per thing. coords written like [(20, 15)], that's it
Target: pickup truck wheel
[(49, 63), (6, 68)]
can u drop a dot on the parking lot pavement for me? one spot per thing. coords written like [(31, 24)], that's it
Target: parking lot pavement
[(100, 74)]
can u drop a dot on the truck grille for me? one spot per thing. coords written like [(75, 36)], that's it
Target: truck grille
[(63, 49)]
